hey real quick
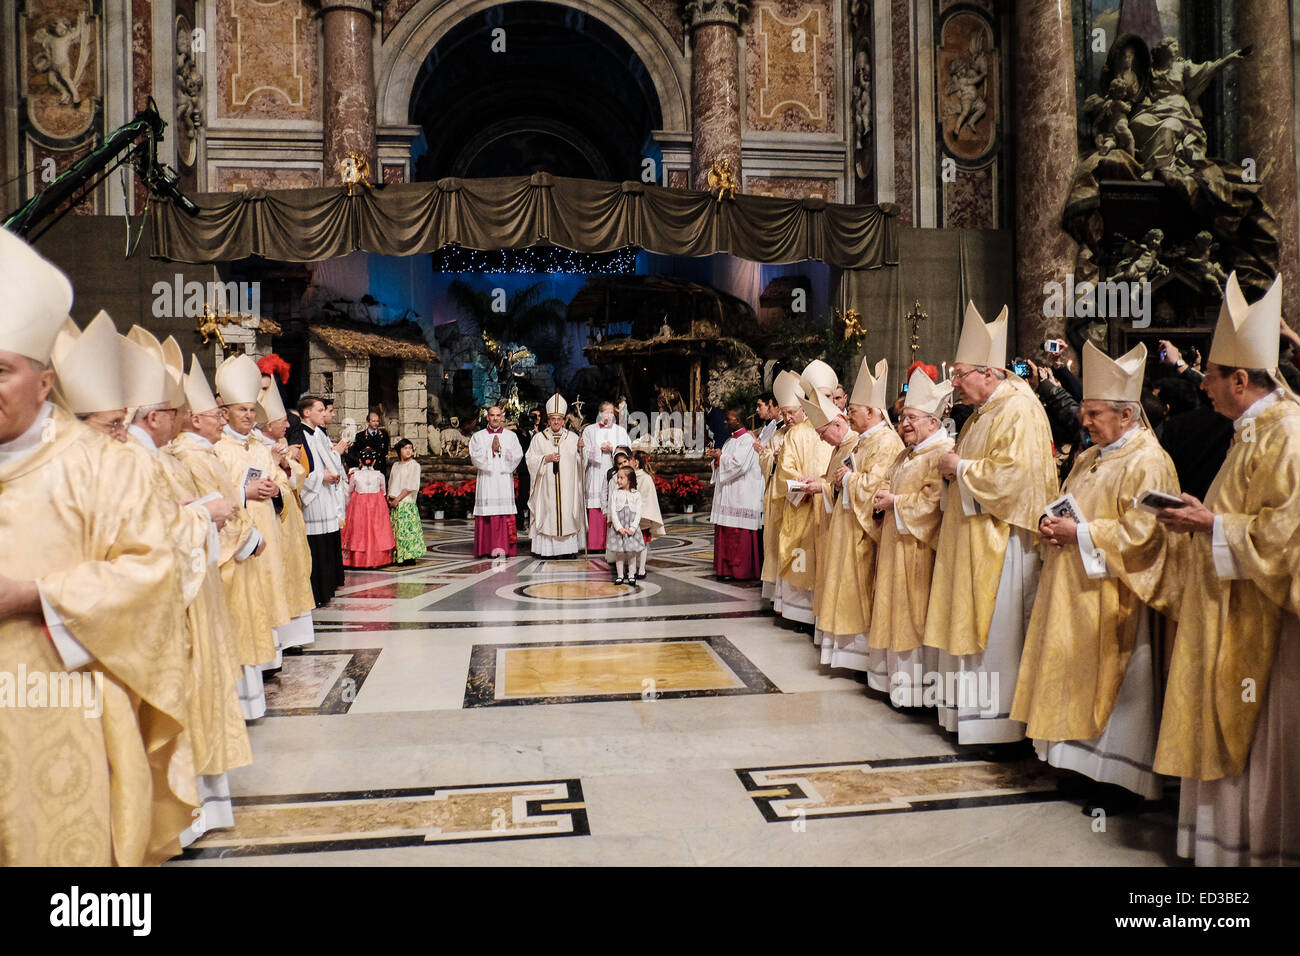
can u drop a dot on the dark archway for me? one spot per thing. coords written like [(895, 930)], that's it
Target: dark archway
[(567, 96)]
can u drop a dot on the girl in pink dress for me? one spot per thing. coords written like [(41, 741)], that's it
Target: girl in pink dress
[(367, 532)]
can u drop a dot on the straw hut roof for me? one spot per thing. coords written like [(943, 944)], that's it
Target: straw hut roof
[(347, 340)]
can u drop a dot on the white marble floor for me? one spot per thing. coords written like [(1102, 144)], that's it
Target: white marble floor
[(396, 738)]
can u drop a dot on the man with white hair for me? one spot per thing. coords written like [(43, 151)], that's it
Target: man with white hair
[(1001, 475), (598, 443), (195, 447), (909, 505), (846, 563), (94, 592), (1232, 702), (216, 726), (556, 503), (496, 453), (1089, 684), (804, 457)]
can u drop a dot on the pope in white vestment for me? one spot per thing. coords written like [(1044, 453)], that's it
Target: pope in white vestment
[(556, 503)]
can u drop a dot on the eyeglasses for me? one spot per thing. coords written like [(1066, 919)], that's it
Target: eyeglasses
[(953, 376), (914, 419)]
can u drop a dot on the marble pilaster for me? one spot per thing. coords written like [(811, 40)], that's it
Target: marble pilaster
[(1046, 150), (348, 108), (1267, 131), (715, 86)]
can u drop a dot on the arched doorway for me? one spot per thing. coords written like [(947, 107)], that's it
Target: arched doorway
[(525, 87)]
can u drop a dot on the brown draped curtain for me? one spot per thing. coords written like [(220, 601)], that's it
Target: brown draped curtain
[(297, 225)]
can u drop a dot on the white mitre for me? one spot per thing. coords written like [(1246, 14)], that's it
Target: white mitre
[(238, 380), (272, 404), (787, 390), (38, 298), (870, 390), (173, 395), (821, 411), (926, 395), (198, 394), (556, 405), (980, 343), (1113, 380), (145, 378), (822, 377), (1246, 336), (88, 367)]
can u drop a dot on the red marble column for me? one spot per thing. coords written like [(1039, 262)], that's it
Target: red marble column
[(715, 86), (348, 69), (1267, 131), (1046, 152)]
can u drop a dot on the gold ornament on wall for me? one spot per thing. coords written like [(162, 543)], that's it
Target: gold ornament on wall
[(853, 327), (210, 324), (722, 179), (354, 170)]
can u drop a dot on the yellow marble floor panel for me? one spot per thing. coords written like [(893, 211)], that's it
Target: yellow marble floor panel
[(589, 670)]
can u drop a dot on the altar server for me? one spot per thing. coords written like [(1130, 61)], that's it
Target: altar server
[(737, 512)]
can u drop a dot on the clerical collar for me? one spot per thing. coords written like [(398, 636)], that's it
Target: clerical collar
[(1257, 408), (257, 433), (556, 431), (234, 435), (603, 424), (938, 435), (495, 431), (29, 441), (144, 438), (994, 394), (876, 427), (203, 442), (1117, 444)]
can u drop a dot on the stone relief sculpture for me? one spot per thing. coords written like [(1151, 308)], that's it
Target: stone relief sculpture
[(54, 59), (966, 82), (862, 114), (189, 95)]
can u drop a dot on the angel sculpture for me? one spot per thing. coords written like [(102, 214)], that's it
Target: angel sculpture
[(354, 170), (209, 326), (55, 57), (722, 179), (853, 328), (967, 76)]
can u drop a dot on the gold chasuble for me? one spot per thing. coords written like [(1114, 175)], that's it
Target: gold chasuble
[(1006, 446), (773, 508), (1083, 629), (1228, 628), (293, 535), (239, 453), (78, 789), (905, 561), (254, 637), (804, 455), (216, 725), (847, 570)]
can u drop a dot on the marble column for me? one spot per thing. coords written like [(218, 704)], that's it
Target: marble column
[(1267, 131), (715, 85), (348, 69), (1046, 152)]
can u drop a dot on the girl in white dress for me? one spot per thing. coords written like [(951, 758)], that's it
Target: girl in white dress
[(624, 541)]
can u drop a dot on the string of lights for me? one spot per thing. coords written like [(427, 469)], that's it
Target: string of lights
[(534, 260)]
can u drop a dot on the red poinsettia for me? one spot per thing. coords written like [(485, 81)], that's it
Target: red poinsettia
[(688, 488), (438, 492)]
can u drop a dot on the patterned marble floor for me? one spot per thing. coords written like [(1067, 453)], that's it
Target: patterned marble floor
[(463, 711)]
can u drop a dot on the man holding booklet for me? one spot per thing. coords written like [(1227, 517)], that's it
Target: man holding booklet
[(1088, 689)]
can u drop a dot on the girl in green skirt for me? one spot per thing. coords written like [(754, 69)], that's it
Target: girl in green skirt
[(403, 485)]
